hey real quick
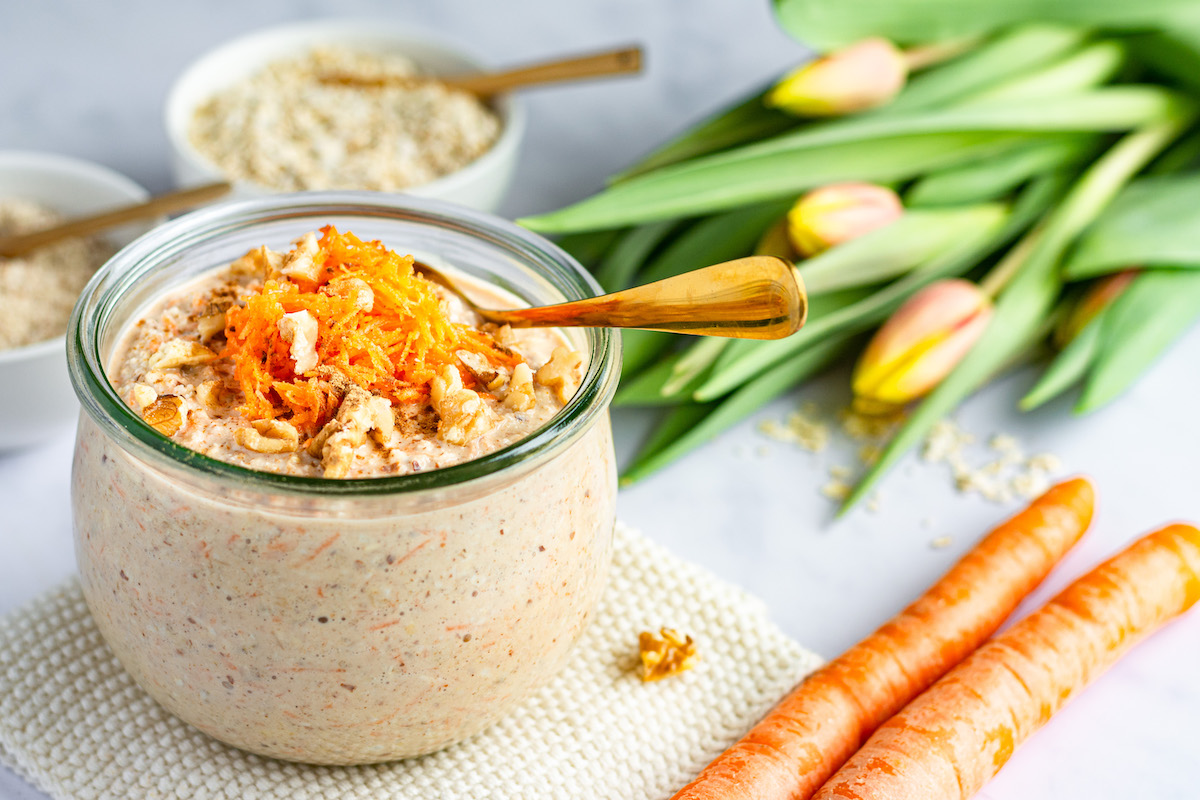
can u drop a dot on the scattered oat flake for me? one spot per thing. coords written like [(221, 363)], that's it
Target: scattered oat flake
[(941, 542), (666, 654), (836, 490), (865, 427), (800, 429), (839, 471)]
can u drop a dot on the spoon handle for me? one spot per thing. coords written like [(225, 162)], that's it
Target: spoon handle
[(759, 297), (163, 204), (598, 65)]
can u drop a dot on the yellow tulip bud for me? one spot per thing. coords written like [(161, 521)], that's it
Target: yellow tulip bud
[(1098, 297), (864, 75), (839, 212), (919, 345)]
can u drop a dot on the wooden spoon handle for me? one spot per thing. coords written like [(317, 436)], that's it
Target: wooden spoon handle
[(613, 62), (12, 246), (760, 297)]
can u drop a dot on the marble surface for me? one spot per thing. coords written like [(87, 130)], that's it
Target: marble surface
[(88, 79)]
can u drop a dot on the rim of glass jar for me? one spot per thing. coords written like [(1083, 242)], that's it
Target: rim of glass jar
[(93, 312)]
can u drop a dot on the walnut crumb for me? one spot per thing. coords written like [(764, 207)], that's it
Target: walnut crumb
[(561, 372), (360, 413), (520, 396), (666, 654), (463, 414), (261, 261), (269, 436), (164, 415), (180, 353)]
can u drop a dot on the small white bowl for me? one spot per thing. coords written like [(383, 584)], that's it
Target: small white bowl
[(36, 398), (481, 184)]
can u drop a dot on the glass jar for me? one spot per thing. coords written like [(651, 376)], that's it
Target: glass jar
[(339, 621)]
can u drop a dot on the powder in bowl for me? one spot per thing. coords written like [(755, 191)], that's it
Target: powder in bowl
[(38, 290), (286, 129)]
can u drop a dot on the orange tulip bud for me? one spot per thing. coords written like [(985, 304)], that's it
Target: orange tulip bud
[(921, 343), (838, 212), (1098, 297), (864, 75)]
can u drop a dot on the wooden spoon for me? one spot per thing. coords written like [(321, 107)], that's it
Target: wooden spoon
[(12, 246), (485, 84), (759, 297)]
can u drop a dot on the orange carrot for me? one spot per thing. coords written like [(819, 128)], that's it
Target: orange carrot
[(812, 732), (953, 738)]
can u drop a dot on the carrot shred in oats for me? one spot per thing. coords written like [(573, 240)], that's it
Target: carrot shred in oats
[(393, 345)]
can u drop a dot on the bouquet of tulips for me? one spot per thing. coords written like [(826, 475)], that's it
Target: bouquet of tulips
[(962, 189)]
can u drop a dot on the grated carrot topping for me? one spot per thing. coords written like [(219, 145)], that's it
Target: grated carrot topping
[(393, 349)]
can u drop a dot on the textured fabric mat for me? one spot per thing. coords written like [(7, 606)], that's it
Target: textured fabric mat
[(77, 726)]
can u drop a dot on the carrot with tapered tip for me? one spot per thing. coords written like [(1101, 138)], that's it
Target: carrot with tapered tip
[(953, 738), (812, 732)]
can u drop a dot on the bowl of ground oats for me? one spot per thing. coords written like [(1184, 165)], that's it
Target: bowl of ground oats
[(262, 112), (38, 290)]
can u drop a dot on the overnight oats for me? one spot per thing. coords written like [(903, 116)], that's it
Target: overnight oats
[(322, 512)]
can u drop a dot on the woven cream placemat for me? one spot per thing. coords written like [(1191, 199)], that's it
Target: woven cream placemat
[(77, 726)]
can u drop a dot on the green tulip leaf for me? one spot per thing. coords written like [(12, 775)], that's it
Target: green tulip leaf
[(693, 424), (1067, 368), (825, 25), (1154, 222), (1154, 311)]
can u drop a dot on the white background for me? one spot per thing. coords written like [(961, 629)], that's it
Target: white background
[(88, 79)]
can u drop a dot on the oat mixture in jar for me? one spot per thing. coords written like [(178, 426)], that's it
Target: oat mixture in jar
[(337, 359), (445, 567)]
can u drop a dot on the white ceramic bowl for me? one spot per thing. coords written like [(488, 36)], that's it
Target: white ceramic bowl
[(36, 398), (481, 184)]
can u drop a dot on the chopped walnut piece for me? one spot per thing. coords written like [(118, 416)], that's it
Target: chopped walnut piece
[(301, 262), (300, 330), (561, 372), (164, 415), (210, 325), (142, 396), (268, 436), (359, 414), (214, 395), (485, 372), (505, 337), (364, 295), (180, 353), (463, 414), (520, 395), (211, 322), (259, 261), (666, 654)]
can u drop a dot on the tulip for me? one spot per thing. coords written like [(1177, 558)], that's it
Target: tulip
[(839, 212), (919, 345), (1098, 297), (864, 75)]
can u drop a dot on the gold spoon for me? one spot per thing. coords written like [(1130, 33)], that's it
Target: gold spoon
[(759, 297), (485, 84), (12, 246)]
